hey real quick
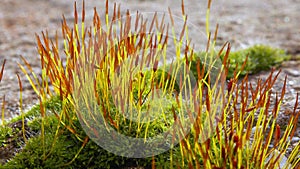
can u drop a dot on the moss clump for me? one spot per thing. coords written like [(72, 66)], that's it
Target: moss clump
[(5, 132), (260, 58), (60, 151), (62, 146)]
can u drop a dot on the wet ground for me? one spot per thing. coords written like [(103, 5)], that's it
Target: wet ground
[(243, 23)]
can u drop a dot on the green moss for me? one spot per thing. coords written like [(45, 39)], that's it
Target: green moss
[(260, 58), (5, 132), (63, 151), (62, 148)]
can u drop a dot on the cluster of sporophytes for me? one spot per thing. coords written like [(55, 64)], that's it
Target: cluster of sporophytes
[(115, 77)]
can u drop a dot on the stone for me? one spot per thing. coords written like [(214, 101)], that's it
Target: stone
[(292, 72), (295, 139)]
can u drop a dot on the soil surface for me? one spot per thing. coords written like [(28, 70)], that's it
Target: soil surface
[(243, 23)]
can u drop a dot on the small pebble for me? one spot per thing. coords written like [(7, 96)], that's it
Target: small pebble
[(296, 87), (292, 72), (295, 139)]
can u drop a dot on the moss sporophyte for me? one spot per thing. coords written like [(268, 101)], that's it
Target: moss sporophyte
[(132, 91)]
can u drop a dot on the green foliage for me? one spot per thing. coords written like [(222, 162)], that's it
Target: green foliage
[(5, 132), (62, 148), (260, 58)]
